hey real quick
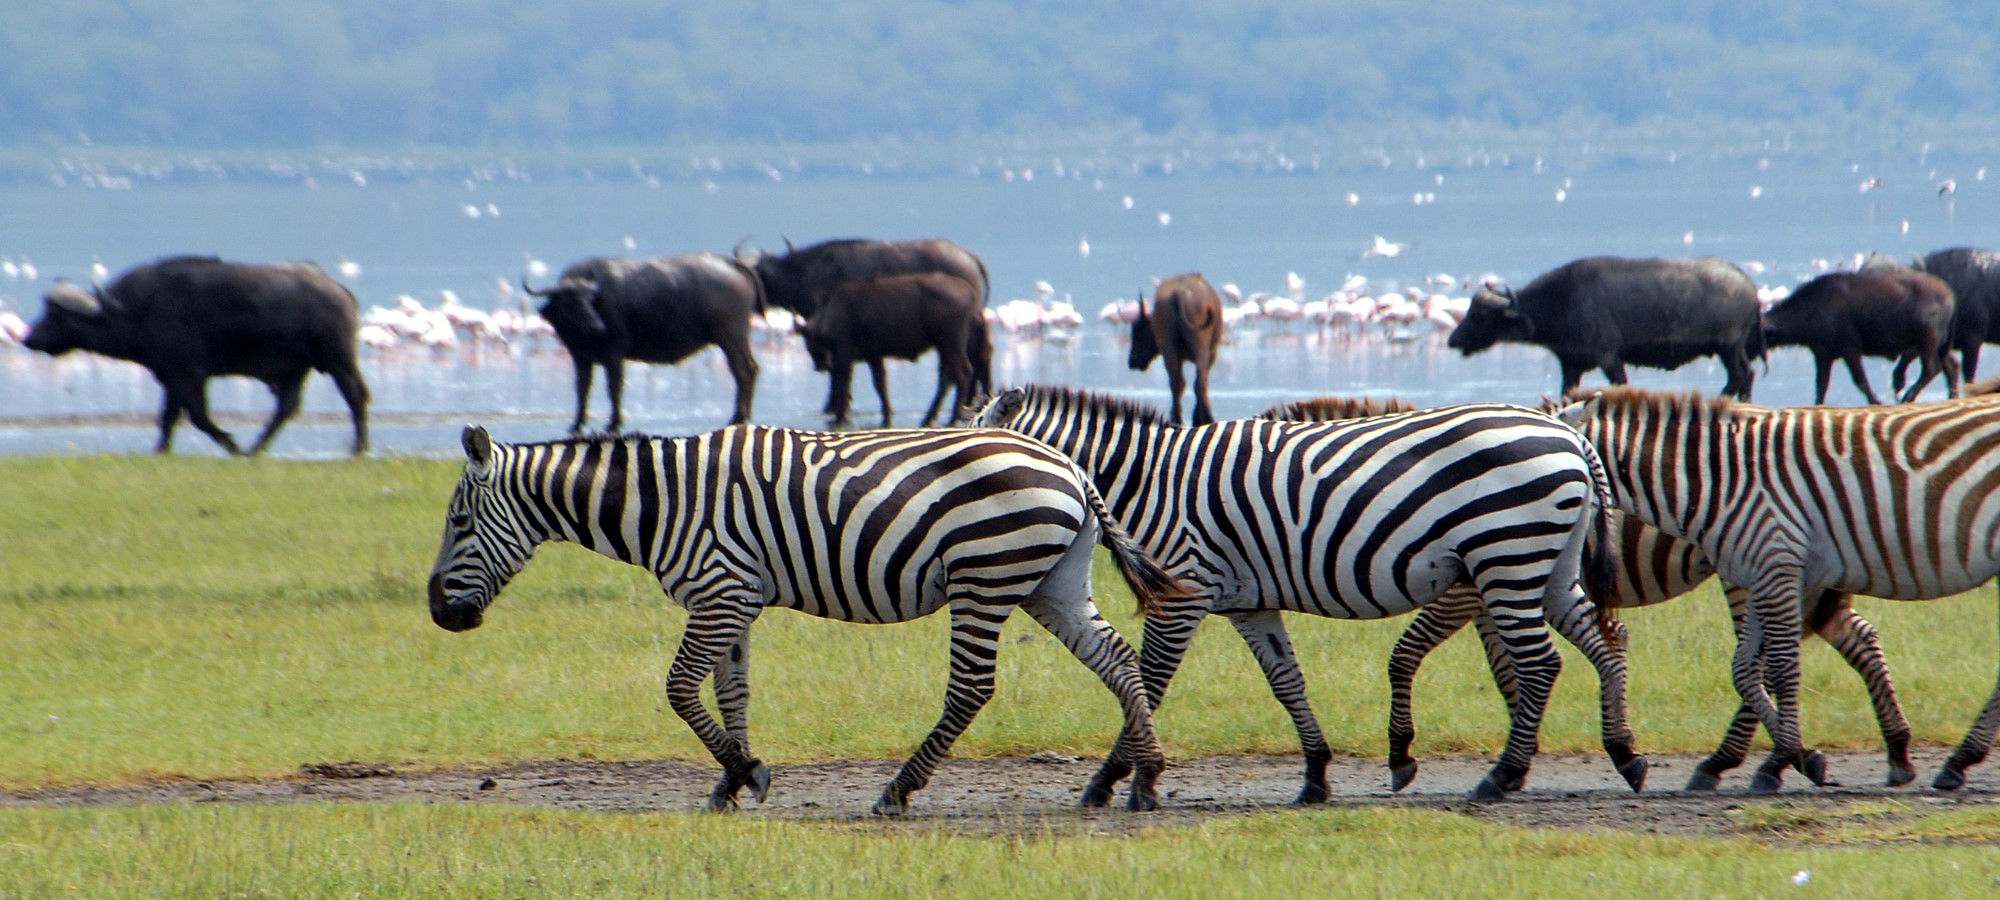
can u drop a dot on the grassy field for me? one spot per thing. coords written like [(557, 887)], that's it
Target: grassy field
[(212, 617)]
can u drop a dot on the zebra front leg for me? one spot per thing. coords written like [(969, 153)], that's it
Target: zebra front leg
[(1536, 664), (1774, 610), (975, 641), (1748, 680), (1167, 636), (1264, 631), (1093, 642), (1604, 646), (1433, 625), (713, 628)]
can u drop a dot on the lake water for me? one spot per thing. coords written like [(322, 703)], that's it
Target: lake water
[(1467, 217)]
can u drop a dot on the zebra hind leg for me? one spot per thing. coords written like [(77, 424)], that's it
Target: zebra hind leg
[(1264, 631), (1972, 751), (1093, 642), (1536, 665), (975, 641), (1605, 648), (1167, 636)]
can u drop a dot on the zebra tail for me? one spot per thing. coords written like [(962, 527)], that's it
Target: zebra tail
[(1153, 585), (1600, 552)]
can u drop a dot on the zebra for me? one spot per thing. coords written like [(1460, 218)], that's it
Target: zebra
[(1358, 520), (1895, 502), (1654, 567), (873, 527)]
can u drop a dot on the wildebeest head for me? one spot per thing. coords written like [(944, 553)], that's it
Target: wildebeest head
[(571, 308), (484, 544), (1145, 348), (72, 319), (1494, 316)]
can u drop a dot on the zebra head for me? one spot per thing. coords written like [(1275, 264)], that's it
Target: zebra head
[(484, 542)]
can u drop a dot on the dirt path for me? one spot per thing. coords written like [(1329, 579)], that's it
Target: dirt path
[(1032, 793)]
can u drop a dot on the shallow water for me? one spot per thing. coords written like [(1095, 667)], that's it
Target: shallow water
[(1464, 217)]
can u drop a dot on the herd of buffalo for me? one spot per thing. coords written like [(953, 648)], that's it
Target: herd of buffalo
[(187, 319)]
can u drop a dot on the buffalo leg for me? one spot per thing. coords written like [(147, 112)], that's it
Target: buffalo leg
[(1737, 364), (743, 368), (879, 372), (1614, 372), (287, 391), (614, 385), (192, 396), (1572, 374), (170, 416), (953, 373), (1860, 375), (1203, 414), (355, 392), (840, 377), (1822, 377), (1969, 369), (585, 370)]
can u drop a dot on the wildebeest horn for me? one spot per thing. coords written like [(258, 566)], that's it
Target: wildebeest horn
[(66, 295)]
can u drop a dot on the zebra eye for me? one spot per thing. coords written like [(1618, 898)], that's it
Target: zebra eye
[(459, 521)]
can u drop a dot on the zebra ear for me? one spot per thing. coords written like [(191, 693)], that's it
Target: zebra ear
[(1001, 409), (478, 447), (1579, 410)]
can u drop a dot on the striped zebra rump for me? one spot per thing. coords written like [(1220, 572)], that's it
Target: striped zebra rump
[(1362, 519), (1897, 502), (882, 526)]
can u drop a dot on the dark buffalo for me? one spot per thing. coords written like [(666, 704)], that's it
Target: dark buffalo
[(1848, 315), (188, 319), (801, 279), (1603, 312), (1184, 325), (902, 316), (1974, 277), (606, 311)]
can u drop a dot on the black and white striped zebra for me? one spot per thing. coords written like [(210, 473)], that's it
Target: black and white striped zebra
[(1654, 567), (1356, 520), (882, 526), (1895, 502)]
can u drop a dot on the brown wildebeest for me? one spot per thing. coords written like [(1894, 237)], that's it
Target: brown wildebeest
[(901, 316), (1848, 315), (1184, 325)]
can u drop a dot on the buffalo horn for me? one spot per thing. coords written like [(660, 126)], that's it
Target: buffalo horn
[(67, 295), (531, 291)]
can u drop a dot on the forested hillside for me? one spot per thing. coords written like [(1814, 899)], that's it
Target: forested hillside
[(482, 72)]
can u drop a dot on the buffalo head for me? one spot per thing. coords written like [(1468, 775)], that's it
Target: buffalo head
[(72, 319), (1145, 348), (571, 308), (1494, 316)]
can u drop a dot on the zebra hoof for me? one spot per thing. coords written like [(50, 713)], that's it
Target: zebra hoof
[(759, 781), (1703, 781), (1765, 783), (1401, 776), (718, 803), (891, 804), (1142, 801), (1312, 795), (1948, 779), (1813, 764), (1488, 791), (1094, 797), (1634, 772), (1900, 775)]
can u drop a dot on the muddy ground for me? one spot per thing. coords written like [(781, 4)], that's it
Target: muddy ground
[(1031, 794)]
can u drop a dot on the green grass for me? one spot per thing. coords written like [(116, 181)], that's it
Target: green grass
[(207, 617), (396, 850)]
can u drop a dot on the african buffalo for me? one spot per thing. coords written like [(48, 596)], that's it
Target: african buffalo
[(606, 311), (901, 316), (1848, 315), (1974, 277), (1603, 312), (801, 279), (1184, 325), (188, 319)]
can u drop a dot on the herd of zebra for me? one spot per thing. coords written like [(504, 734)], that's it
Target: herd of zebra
[(1516, 520)]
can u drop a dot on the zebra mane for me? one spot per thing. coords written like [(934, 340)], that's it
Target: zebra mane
[(1620, 399), (1332, 408), (1093, 402)]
